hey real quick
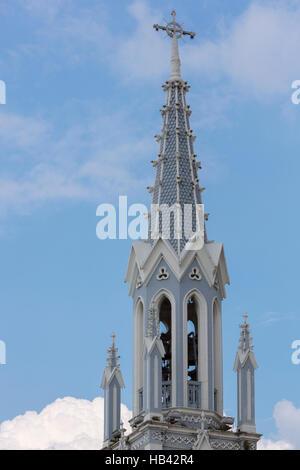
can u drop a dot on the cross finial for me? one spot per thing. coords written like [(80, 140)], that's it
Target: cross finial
[(112, 359), (174, 29), (245, 339)]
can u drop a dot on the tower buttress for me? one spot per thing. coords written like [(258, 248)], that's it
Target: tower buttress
[(112, 382), (245, 366)]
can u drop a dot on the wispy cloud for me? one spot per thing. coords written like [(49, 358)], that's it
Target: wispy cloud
[(269, 318), (83, 163), (257, 51)]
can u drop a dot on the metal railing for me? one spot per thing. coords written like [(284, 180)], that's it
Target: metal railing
[(194, 394), (166, 394)]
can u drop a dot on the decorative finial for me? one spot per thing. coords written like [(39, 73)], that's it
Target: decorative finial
[(174, 31), (245, 339), (112, 359)]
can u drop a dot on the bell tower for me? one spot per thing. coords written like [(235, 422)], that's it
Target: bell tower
[(177, 279)]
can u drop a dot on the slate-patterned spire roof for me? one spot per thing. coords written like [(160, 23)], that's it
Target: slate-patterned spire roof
[(176, 180)]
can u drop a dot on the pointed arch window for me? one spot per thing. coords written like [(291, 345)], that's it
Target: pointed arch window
[(193, 372), (165, 319), (139, 357), (217, 359)]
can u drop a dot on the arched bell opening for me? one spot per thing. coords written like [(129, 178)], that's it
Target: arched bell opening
[(217, 359), (165, 321), (192, 339), (138, 378)]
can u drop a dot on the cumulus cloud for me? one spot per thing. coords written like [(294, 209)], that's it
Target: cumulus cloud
[(268, 444), (66, 424), (73, 423), (287, 419)]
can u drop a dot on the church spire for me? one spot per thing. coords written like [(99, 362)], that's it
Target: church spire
[(176, 183)]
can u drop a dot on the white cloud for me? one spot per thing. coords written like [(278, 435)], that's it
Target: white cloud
[(145, 53), (68, 423), (257, 52), (268, 444), (72, 423), (20, 131), (269, 318), (287, 419), (82, 163), (44, 8)]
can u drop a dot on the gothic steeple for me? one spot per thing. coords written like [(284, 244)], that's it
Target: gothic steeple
[(112, 382), (176, 182), (177, 293)]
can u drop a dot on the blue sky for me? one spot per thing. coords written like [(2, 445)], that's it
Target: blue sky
[(83, 97)]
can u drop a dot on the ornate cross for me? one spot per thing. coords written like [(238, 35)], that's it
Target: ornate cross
[(174, 29)]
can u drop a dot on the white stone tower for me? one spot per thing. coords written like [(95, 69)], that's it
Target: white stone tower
[(177, 283)]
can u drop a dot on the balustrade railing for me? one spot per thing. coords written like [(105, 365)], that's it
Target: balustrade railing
[(166, 394), (194, 394)]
